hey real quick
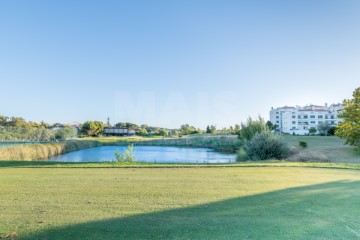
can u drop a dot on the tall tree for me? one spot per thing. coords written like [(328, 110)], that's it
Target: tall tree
[(349, 127), (208, 130), (3, 120), (91, 128)]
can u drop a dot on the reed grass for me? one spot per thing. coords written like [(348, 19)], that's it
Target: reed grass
[(43, 151)]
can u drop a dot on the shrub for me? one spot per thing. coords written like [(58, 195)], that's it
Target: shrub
[(264, 146), (242, 155), (252, 127), (331, 131), (127, 156), (308, 156), (303, 144), (312, 131)]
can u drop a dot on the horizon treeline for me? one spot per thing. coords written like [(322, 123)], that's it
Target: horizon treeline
[(17, 128)]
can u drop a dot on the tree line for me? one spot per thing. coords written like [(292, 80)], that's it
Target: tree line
[(18, 129), (96, 128)]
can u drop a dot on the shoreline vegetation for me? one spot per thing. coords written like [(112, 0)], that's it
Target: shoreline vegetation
[(221, 143), (43, 151)]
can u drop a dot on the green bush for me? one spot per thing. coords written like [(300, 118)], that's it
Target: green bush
[(303, 144), (331, 131), (242, 155), (252, 127), (264, 146), (127, 156)]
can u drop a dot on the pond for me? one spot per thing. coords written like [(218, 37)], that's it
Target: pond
[(151, 154)]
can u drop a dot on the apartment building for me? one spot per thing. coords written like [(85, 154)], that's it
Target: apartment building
[(298, 120)]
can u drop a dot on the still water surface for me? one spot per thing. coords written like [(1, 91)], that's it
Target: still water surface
[(153, 154)]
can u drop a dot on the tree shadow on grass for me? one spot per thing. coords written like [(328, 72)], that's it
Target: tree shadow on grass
[(324, 211)]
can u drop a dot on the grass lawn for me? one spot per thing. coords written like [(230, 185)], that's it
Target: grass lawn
[(333, 147), (54, 202)]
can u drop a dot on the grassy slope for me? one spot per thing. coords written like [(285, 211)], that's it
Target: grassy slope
[(180, 203), (333, 147)]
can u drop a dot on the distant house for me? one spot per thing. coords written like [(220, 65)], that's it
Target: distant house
[(118, 132)]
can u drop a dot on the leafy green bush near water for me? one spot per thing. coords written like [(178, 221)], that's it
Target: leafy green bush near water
[(127, 156), (264, 146)]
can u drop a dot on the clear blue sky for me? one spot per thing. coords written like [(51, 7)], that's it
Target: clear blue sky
[(171, 62)]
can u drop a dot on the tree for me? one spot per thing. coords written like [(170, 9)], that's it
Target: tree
[(92, 129), (331, 131), (270, 125), (65, 133), (237, 129), (3, 120), (312, 130), (163, 132), (187, 129), (324, 128), (212, 129), (349, 127), (252, 127), (208, 130), (17, 122), (142, 132)]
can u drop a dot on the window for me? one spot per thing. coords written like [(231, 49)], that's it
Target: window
[(277, 116), (277, 121), (326, 116), (332, 116), (320, 116), (312, 122), (320, 122), (312, 116), (277, 112), (293, 122), (293, 116)]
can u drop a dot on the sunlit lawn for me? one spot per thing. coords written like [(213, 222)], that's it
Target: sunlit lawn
[(180, 203)]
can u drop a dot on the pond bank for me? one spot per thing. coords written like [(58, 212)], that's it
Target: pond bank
[(43, 151), (31, 152)]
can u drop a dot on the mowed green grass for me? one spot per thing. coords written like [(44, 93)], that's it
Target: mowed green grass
[(180, 203)]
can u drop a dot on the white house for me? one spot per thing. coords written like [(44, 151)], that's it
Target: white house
[(298, 120)]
